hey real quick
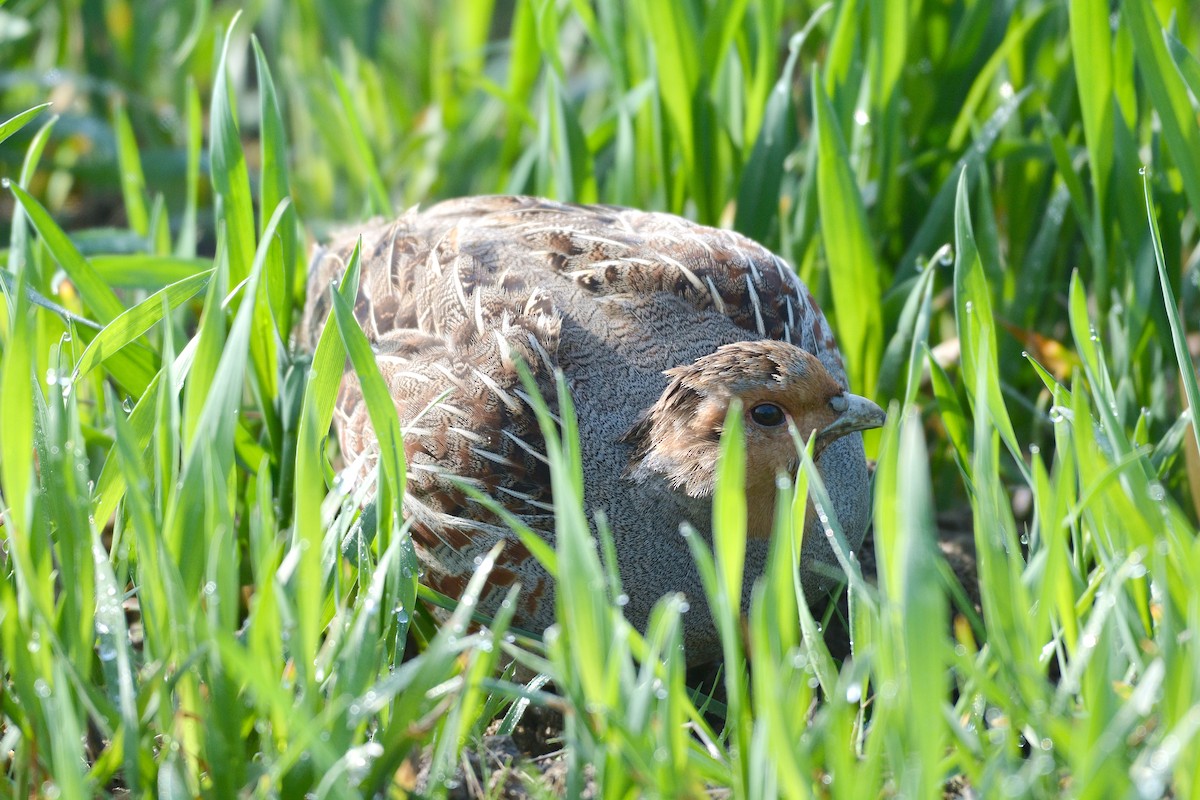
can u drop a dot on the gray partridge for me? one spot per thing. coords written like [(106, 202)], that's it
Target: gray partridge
[(657, 324)]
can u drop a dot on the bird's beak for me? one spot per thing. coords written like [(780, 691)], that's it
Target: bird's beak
[(861, 414)]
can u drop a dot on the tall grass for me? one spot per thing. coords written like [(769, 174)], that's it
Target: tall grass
[(997, 204)]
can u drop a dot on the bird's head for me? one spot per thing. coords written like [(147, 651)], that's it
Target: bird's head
[(777, 384)]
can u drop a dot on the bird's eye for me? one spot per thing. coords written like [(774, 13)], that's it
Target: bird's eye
[(768, 415), (839, 403)]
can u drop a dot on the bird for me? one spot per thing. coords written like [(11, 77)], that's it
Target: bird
[(657, 325)]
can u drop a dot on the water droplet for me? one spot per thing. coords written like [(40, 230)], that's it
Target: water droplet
[(1141, 171), (210, 588), (41, 688), (854, 693), (1157, 492), (861, 117), (622, 600), (127, 404)]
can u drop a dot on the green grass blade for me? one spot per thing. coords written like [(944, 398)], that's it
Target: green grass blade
[(18, 121), (147, 272), (111, 484), (729, 516), (316, 414), (674, 32), (133, 180), (1186, 62), (1183, 357), (274, 184), (915, 614), (939, 220), (377, 194), (231, 183), (758, 196), (230, 179), (1167, 92), (16, 435), (115, 657), (982, 85), (133, 323), (95, 292), (853, 271), (379, 402), (1092, 56), (975, 320), (208, 455), (185, 242)]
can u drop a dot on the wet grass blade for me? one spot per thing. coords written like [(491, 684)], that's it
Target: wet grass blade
[(1168, 93), (975, 320), (1178, 334)]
